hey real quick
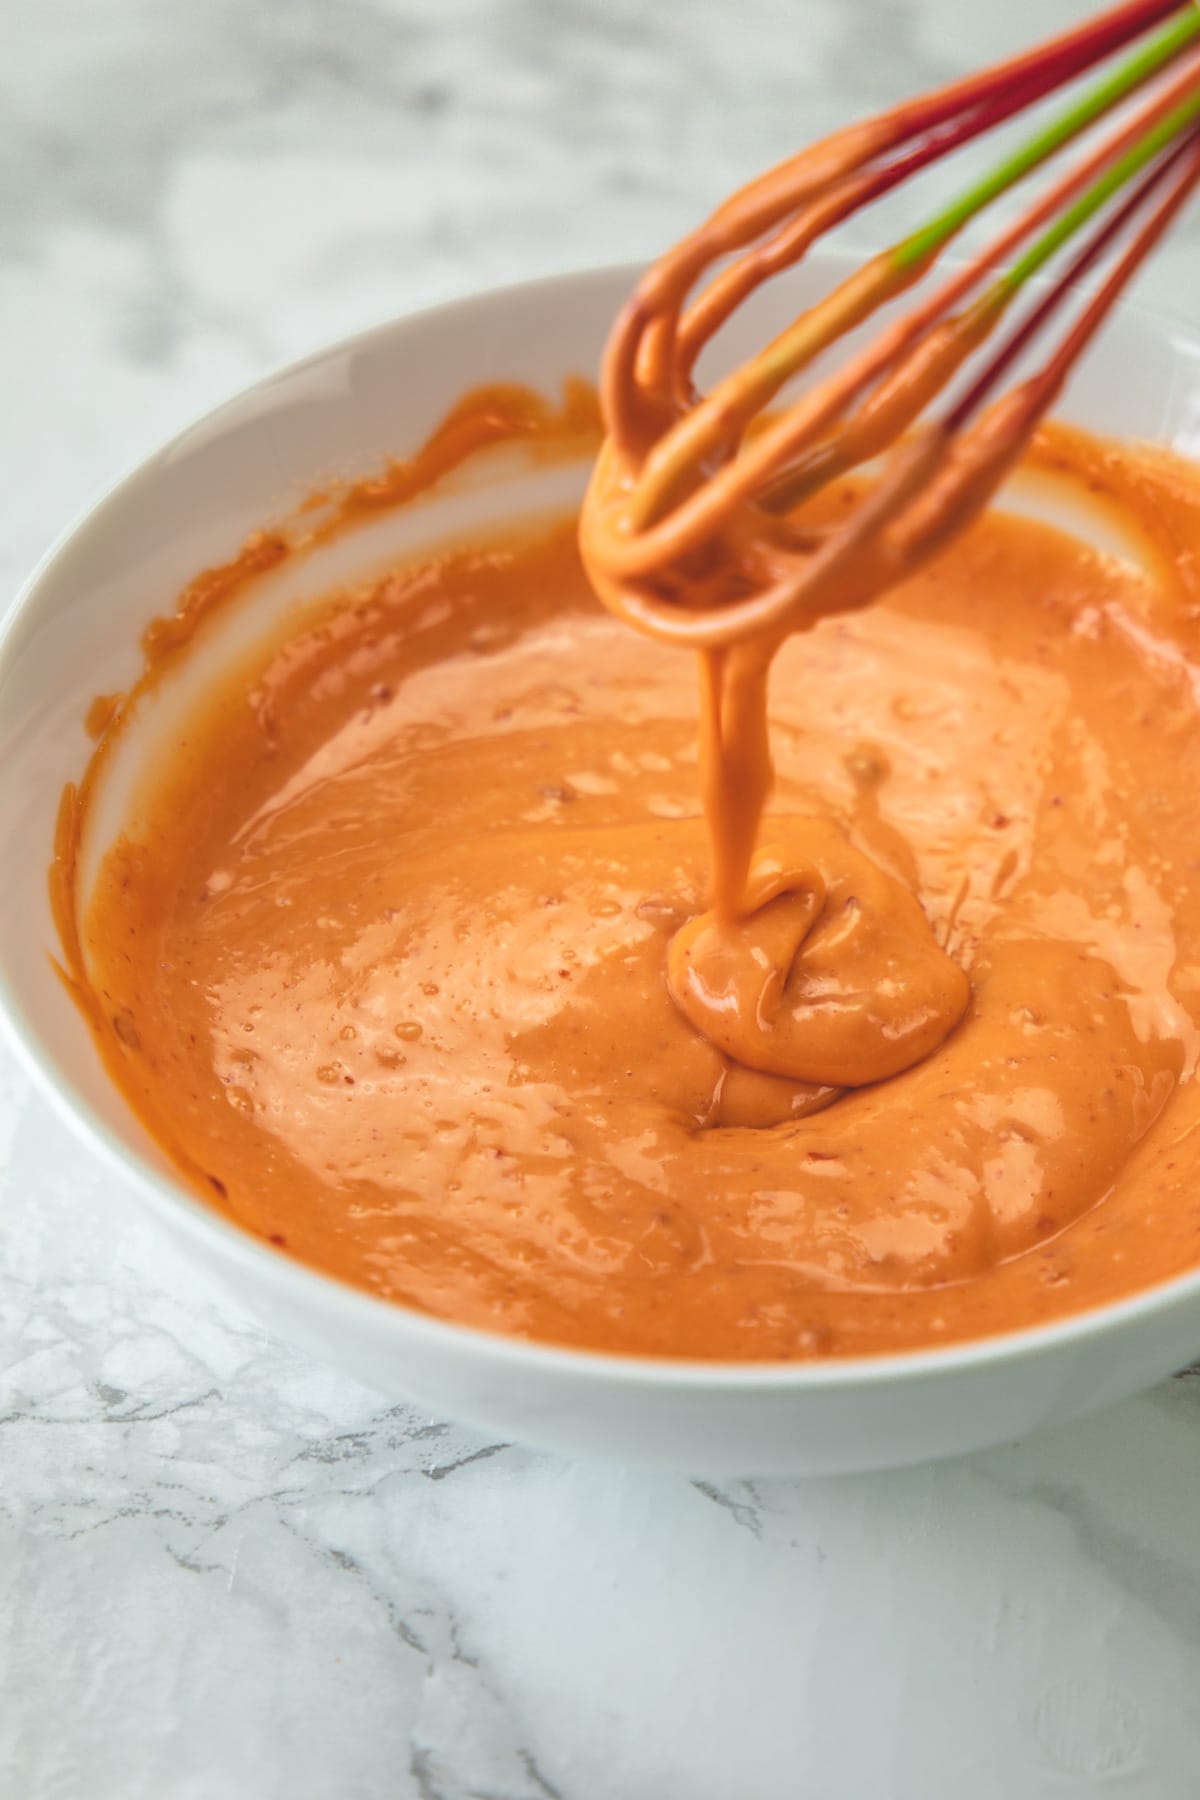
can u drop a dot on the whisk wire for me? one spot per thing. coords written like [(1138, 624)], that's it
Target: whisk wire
[(719, 421)]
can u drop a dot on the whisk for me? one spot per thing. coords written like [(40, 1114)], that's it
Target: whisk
[(690, 528)]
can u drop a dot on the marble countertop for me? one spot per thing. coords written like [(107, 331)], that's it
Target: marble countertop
[(225, 1571)]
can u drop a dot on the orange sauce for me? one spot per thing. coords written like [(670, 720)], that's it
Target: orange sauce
[(411, 968)]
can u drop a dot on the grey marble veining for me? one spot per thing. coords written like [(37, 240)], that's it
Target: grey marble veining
[(223, 1569)]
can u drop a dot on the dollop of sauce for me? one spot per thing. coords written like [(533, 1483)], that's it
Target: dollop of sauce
[(416, 963), (828, 974)]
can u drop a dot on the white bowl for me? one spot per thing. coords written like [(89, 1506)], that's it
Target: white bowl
[(73, 633)]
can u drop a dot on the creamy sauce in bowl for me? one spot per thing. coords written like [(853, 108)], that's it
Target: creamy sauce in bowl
[(412, 969)]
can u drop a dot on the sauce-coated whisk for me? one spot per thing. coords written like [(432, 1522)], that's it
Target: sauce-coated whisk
[(689, 529)]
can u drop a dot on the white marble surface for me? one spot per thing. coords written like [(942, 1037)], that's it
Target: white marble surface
[(223, 1570)]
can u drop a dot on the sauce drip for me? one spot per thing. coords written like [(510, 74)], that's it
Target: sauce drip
[(416, 965)]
